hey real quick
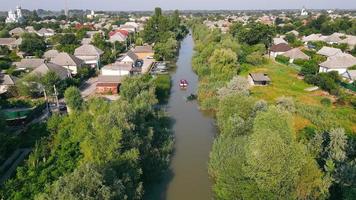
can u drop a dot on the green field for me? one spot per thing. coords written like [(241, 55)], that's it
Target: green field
[(310, 111)]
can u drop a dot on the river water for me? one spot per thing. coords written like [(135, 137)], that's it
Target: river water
[(194, 133)]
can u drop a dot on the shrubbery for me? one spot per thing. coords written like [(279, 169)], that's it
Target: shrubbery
[(282, 59)]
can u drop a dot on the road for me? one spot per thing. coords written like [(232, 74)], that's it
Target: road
[(88, 87)]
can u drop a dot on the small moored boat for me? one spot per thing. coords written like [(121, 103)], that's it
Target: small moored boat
[(183, 83)]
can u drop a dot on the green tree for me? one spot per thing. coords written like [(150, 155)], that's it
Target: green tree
[(84, 183), (73, 98), (32, 44)]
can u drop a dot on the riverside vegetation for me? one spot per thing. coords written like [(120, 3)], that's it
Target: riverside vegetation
[(270, 146)]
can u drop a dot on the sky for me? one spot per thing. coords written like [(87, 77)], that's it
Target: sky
[(126, 5)]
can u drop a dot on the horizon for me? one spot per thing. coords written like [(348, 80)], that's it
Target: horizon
[(196, 5)]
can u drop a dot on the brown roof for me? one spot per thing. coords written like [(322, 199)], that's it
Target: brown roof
[(280, 47), (62, 72)]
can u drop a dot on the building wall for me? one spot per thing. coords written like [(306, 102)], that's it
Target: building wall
[(113, 89), (339, 70)]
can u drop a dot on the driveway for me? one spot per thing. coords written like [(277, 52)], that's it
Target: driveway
[(88, 87)]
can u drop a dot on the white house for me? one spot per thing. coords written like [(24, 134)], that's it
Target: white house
[(89, 54), (129, 57), (279, 49), (294, 54), (68, 61), (46, 32), (340, 63)]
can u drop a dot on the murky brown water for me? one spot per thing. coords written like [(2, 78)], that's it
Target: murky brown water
[(194, 133)]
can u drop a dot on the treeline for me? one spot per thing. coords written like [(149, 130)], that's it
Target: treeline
[(101, 150), (258, 154)]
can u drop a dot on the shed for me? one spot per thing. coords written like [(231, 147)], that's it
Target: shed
[(259, 79)]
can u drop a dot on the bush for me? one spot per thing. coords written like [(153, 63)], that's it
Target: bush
[(282, 59), (163, 87), (326, 81), (325, 101), (255, 58)]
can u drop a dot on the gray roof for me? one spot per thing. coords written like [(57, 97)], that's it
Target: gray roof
[(29, 63), (333, 38), (341, 61), (50, 54), (329, 51), (45, 30), (6, 79), (65, 59), (143, 49), (88, 50), (296, 54), (16, 31), (109, 79), (62, 72), (259, 77), (132, 55)]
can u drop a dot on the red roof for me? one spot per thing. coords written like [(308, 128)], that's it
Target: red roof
[(123, 32)]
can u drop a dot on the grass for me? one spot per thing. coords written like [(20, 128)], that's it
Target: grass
[(285, 82)]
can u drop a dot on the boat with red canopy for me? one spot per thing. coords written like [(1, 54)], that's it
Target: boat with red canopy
[(183, 83)]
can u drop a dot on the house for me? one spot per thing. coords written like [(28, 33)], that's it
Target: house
[(46, 32), (313, 38), (278, 49), (279, 40), (117, 69), (129, 57), (50, 54), (258, 79), (89, 54), (144, 51), (294, 32), (129, 28), (334, 38), (108, 84), (6, 81), (329, 51), (43, 69), (294, 54), (8, 42), (117, 37), (349, 75), (29, 63), (68, 61), (350, 40), (16, 31), (340, 63), (86, 41)]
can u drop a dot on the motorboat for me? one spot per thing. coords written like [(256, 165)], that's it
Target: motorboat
[(183, 83)]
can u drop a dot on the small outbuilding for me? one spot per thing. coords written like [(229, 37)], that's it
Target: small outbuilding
[(259, 79)]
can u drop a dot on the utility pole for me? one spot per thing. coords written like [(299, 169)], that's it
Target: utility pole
[(56, 96), (46, 99)]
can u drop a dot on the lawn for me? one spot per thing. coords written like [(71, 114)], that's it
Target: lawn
[(310, 111)]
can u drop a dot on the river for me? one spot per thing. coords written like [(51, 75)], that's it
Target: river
[(194, 133)]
